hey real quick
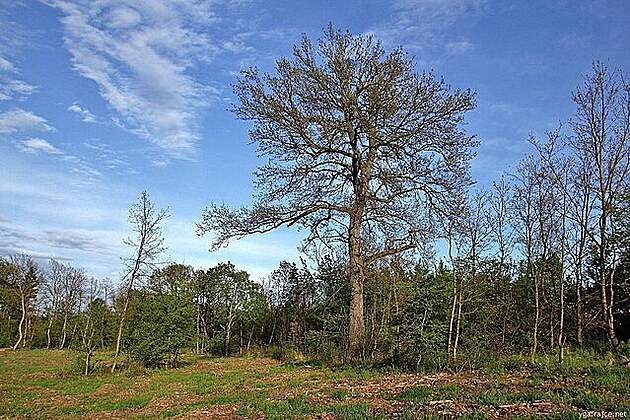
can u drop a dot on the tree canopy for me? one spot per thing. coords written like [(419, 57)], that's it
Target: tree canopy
[(360, 146)]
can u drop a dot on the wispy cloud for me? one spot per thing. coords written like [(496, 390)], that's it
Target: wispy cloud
[(53, 244), (78, 165), (109, 158), (5, 65), (35, 145), (14, 88), (140, 54), (21, 120), (423, 25), (82, 241), (11, 87), (86, 115)]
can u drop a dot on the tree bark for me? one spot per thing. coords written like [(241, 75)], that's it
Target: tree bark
[(356, 335), (21, 324), (121, 324)]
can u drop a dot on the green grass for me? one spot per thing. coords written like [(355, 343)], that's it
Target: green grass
[(289, 408), (352, 411), (425, 394), (46, 384)]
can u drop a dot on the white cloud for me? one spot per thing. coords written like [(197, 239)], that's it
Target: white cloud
[(109, 158), (123, 17), (77, 165), (140, 54), (86, 115), (21, 120), (6, 65), (11, 88), (425, 24), (35, 145), (458, 47)]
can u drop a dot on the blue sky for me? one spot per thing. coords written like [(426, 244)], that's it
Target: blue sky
[(101, 99)]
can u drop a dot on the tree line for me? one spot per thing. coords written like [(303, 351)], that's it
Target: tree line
[(411, 263)]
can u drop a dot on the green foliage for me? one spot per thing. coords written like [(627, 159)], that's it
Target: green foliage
[(422, 322), (229, 304), (9, 305), (163, 318)]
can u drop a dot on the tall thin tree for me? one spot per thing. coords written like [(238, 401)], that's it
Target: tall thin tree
[(147, 245), (602, 138)]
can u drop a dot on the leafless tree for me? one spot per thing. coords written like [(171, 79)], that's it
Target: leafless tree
[(147, 244), (359, 145), (468, 233), (73, 280), (602, 140), (51, 295), (499, 219)]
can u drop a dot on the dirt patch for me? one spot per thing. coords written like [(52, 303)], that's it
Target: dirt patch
[(104, 390), (221, 366), (50, 399), (158, 404), (218, 411)]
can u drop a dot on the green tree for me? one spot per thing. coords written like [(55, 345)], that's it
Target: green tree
[(421, 324), (223, 292), (23, 279), (9, 304), (291, 293), (359, 145), (164, 315)]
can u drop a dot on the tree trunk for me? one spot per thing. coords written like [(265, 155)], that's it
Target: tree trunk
[(74, 332), (451, 323), (28, 331), (48, 329), (198, 327), (121, 324), (356, 327), (457, 327), (62, 343), (607, 296), (537, 317), (249, 339), (578, 304), (561, 332), (356, 333), (21, 324), (88, 354), (228, 331), (607, 302)]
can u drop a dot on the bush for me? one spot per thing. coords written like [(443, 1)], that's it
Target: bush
[(161, 327)]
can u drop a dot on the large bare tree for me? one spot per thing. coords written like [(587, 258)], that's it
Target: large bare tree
[(359, 145), (602, 141)]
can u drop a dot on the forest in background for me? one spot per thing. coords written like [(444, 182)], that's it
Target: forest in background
[(536, 264)]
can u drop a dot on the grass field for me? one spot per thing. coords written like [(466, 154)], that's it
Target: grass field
[(47, 384)]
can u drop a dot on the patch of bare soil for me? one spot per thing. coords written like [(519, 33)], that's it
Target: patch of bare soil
[(50, 398), (217, 411), (379, 393), (220, 366), (176, 400)]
